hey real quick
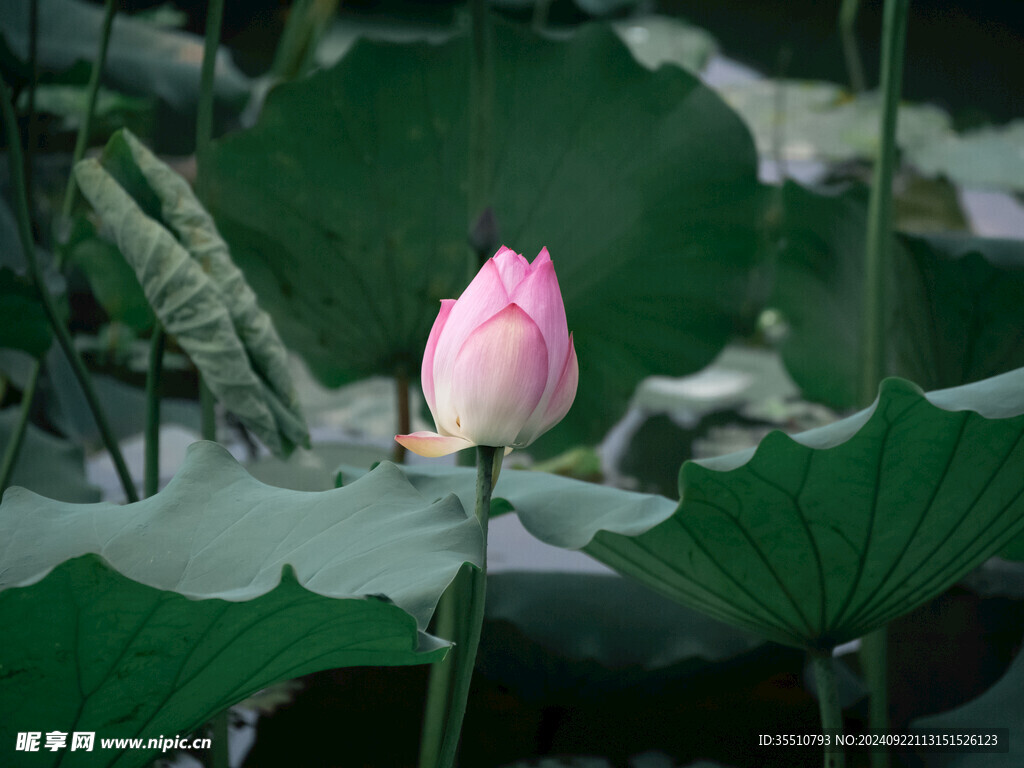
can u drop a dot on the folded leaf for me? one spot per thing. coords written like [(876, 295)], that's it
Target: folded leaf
[(196, 291)]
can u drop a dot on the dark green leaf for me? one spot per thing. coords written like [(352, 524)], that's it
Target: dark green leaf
[(146, 619), (818, 539), (955, 303), (351, 220), (960, 310)]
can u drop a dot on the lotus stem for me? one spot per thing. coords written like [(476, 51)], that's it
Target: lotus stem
[(828, 704), (92, 89), (151, 474), (874, 656), (17, 436), (468, 639), (876, 269), (207, 412), (204, 113), (439, 686), (404, 415), (219, 741), (879, 229), (851, 52)]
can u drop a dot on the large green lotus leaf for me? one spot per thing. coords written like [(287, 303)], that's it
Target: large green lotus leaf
[(346, 206), (955, 303), (47, 464), (195, 289), (961, 308), (815, 539), (146, 619)]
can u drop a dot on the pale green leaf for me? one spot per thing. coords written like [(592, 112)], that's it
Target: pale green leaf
[(145, 620)]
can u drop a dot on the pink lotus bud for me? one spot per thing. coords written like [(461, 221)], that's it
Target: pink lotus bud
[(500, 367)]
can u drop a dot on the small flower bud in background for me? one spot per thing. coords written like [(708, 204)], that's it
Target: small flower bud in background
[(500, 368)]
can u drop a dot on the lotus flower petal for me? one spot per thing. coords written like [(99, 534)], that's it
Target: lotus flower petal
[(432, 445), (499, 368), (500, 376)]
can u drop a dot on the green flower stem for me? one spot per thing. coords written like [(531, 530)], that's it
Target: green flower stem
[(439, 687), (828, 703), (876, 269), (151, 475), (14, 443), (472, 603), (63, 336), (204, 115), (82, 140)]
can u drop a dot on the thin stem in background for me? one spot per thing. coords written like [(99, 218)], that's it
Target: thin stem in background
[(17, 436), (828, 704), (879, 230), (151, 475), (219, 757), (303, 29), (63, 336), (874, 655), (472, 605), (404, 416), (207, 412), (33, 124), (204, 131), (876, 269), (204, 113), (851, 51), (82, 140)]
